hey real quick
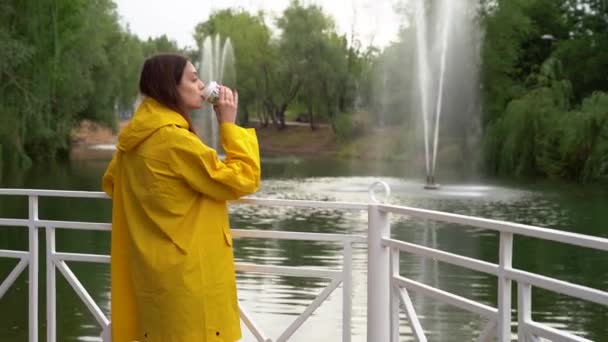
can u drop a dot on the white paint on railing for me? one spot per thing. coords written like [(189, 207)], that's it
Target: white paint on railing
[(382, 186), (347, 290), (401, 296), (386, 288), (10, 279), (302, 204), (524, 311), (378, 276), (95, 258), (309, 310), (33, 267), (502, 226), (51, 286), (500, 319), (447, 297), (253, 327), (279, 235), (288, 271), (52, 193), (488, 332), (505, 261), (104, 227), (558, 286), (337, 277), (395, 300), (15, 254), (84, 295), (106, 333), (450, 258), (411, 314), (552, 334), (20, 223)]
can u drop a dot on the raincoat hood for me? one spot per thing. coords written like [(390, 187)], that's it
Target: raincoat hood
[(149, 117)]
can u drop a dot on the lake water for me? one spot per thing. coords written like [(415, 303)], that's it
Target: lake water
[(275, 301)]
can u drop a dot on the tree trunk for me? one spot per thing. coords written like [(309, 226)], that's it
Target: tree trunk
[(270, 110), (262, 117), (273, 116), (281, 116), (332, 117), (311, 115)]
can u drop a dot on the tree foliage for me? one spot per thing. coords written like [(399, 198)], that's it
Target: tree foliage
[(307, 65), (544, 68), (62, 61), (251, 40), (543, 77)]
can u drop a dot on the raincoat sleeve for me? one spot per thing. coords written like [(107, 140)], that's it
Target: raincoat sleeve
[(108, 177), (238, 175)]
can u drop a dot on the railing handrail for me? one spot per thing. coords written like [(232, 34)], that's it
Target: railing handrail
[(575, 239), (52, 193)]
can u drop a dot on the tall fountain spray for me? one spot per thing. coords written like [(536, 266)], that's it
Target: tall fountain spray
[(217, 63), (432, 51)]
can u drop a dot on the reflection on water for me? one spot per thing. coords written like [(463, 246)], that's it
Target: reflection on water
[(276, 301)]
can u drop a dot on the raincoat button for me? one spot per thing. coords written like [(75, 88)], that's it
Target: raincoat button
[(217, 333)]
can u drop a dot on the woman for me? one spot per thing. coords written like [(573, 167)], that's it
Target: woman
[(172, 271)]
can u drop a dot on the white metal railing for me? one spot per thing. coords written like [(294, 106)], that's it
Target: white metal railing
[(499, 319), (337, 277), (27, 258), (387, 289)]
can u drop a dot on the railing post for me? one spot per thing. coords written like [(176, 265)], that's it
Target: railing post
[(378, 276), (51, 285), (33, 268), (504, 287), (395, 301), (524, 311), (347, 292)]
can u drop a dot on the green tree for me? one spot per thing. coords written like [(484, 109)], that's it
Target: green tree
[(13, 54), (586, 40), (314, 60), (543, 104), (159, 45), (251, 40), (308, 63), (506, 27), (61, 61)]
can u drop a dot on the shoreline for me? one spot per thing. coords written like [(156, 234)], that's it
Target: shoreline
[(94, 141)]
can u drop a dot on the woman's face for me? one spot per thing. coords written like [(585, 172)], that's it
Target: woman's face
[(190, 89)]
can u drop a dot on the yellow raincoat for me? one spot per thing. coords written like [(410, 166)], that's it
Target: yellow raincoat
[(173, 277)]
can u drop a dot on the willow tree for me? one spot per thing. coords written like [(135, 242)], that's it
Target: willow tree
[(62, 61), (544, 67)]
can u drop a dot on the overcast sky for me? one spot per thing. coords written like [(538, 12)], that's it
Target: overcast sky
[(374, 20)]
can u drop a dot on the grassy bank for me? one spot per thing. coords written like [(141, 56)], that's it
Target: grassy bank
[(298, 140)]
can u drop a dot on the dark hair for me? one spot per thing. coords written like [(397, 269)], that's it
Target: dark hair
[(159, 79)]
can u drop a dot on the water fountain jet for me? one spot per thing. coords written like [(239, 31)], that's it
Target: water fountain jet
[(432, 88), (217, 63)]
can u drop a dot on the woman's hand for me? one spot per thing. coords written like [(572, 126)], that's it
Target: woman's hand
[(226, 106)]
